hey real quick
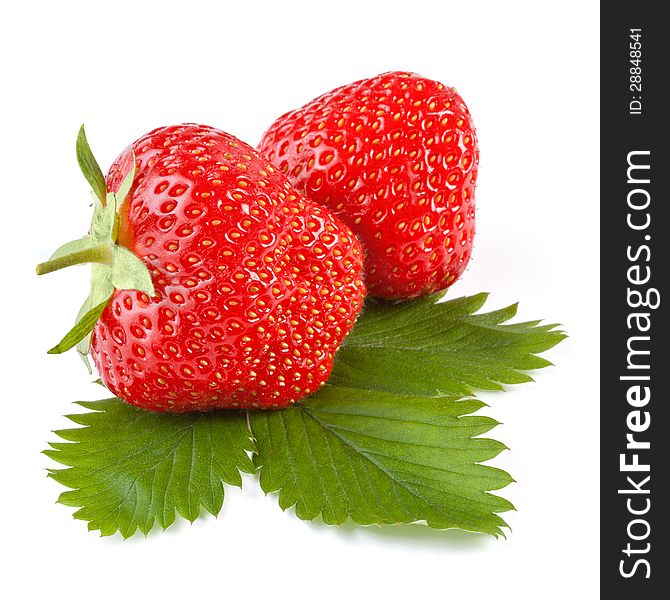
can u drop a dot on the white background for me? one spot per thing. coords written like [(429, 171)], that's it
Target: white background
[(529, 72)]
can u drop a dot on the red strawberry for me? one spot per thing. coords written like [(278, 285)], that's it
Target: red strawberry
[(255, 287), (395, 157)]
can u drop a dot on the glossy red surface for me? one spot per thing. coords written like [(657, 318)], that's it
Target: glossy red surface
[(255, 287), (396, 158)]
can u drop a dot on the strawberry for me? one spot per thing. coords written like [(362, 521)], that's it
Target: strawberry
[(217, 285), (396, 158)]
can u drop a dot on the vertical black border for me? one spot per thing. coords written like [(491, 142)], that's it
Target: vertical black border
[(622, 133)]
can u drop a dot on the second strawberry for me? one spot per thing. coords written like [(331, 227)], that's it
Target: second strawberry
[(396, 158)]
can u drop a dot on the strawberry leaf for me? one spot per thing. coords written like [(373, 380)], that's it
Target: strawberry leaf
[(382, 458), (130, 468), (390, 438), (432, 347)]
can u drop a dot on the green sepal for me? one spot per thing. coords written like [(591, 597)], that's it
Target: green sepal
[(130, 273), (104, 219), (101, 288), (126, 184), (83, 327), (113, 266), (89, 166)]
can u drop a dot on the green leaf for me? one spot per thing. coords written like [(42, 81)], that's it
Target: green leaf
[(130, 273), (382, 458), (430, 347), (89, 166), (83, 327), (130, 468), (391, 437)]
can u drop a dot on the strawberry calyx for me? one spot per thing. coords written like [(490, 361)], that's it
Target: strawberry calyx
[(112, 266)]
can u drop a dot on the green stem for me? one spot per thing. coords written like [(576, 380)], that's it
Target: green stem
[(98, 254)]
